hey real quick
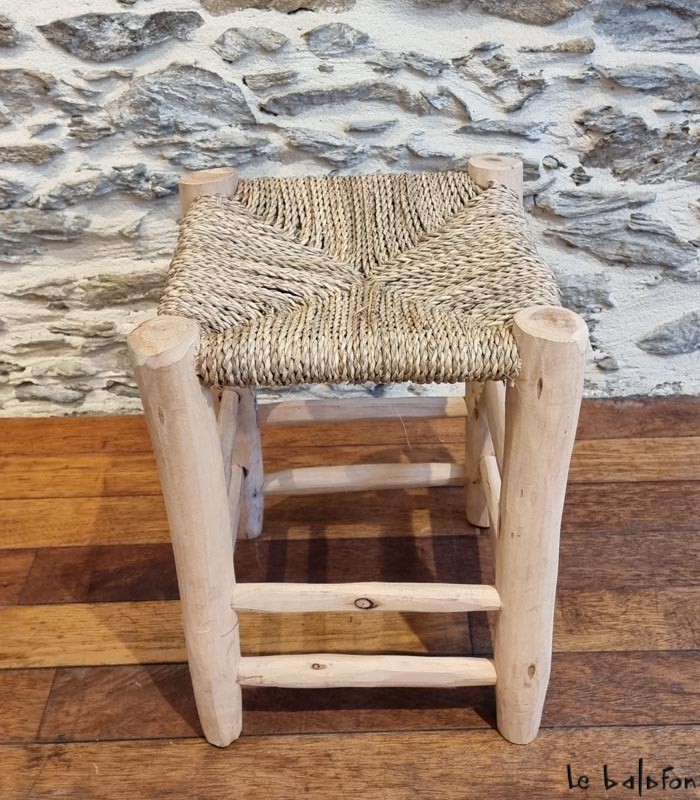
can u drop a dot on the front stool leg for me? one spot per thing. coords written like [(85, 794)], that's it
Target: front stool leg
[(183, 428), (542, 409)]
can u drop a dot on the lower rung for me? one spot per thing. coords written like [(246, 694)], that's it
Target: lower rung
[(326, 670), (362, 477)]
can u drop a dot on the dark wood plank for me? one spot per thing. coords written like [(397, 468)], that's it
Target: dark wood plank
[(626, 508), (80, 521), (133, 520), (90, 634), (600, 561), (129, 434), (651, 558), (14, 569), (614, 620), (599, 419), (623, 688), (126, 702), (80, 475), (93, 634), (72, 435), (150, 632), (147, 572), (101, 574), (23, 695), (107, 475), (616, 508), (639, 418), (624, 418), (632, 460), (156, 701), (464, 765), (660, 559)]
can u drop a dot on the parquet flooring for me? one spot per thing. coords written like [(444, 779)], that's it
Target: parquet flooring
[(95, 699)]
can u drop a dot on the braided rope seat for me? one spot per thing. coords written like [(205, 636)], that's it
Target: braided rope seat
[(347, 279)]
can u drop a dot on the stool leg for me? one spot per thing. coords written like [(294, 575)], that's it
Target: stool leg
[(477, 445), (248, 455), (482, 170), (541, 413), (183, 429)]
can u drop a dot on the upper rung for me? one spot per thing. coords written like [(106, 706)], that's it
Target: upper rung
[(302, 412)]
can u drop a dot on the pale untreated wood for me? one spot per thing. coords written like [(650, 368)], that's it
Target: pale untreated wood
[(303, 412), (491, 483), (325, 670), (247, 453), (494, 403), (477, 445), (367, 596), (220, 180), (483, 407), (541, 412), (227, 418), (185, 437), (235, 498), (361, 478), (501, 169), (240, 435)]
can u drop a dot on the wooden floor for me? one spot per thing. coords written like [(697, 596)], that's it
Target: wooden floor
[(95, 700)]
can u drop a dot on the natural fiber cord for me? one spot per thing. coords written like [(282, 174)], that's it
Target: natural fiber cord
[(392, 277)]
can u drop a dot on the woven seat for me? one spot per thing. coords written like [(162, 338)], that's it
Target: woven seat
[(392, 277)]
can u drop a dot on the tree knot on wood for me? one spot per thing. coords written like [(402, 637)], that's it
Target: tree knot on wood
[(318, 666), (365, 603)]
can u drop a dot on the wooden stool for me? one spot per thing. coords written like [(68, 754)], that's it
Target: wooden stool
[(519, 439)]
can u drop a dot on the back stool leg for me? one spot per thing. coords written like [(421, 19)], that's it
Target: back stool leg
[(541, 413), (183, 429), (248, 454), (483, 169), (477, 445)]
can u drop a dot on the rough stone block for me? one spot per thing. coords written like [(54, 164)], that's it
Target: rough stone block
[(107, 37), (334, 39), (680, 336), (235, 43)]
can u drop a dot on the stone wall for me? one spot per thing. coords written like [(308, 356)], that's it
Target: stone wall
[(104, 102)]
